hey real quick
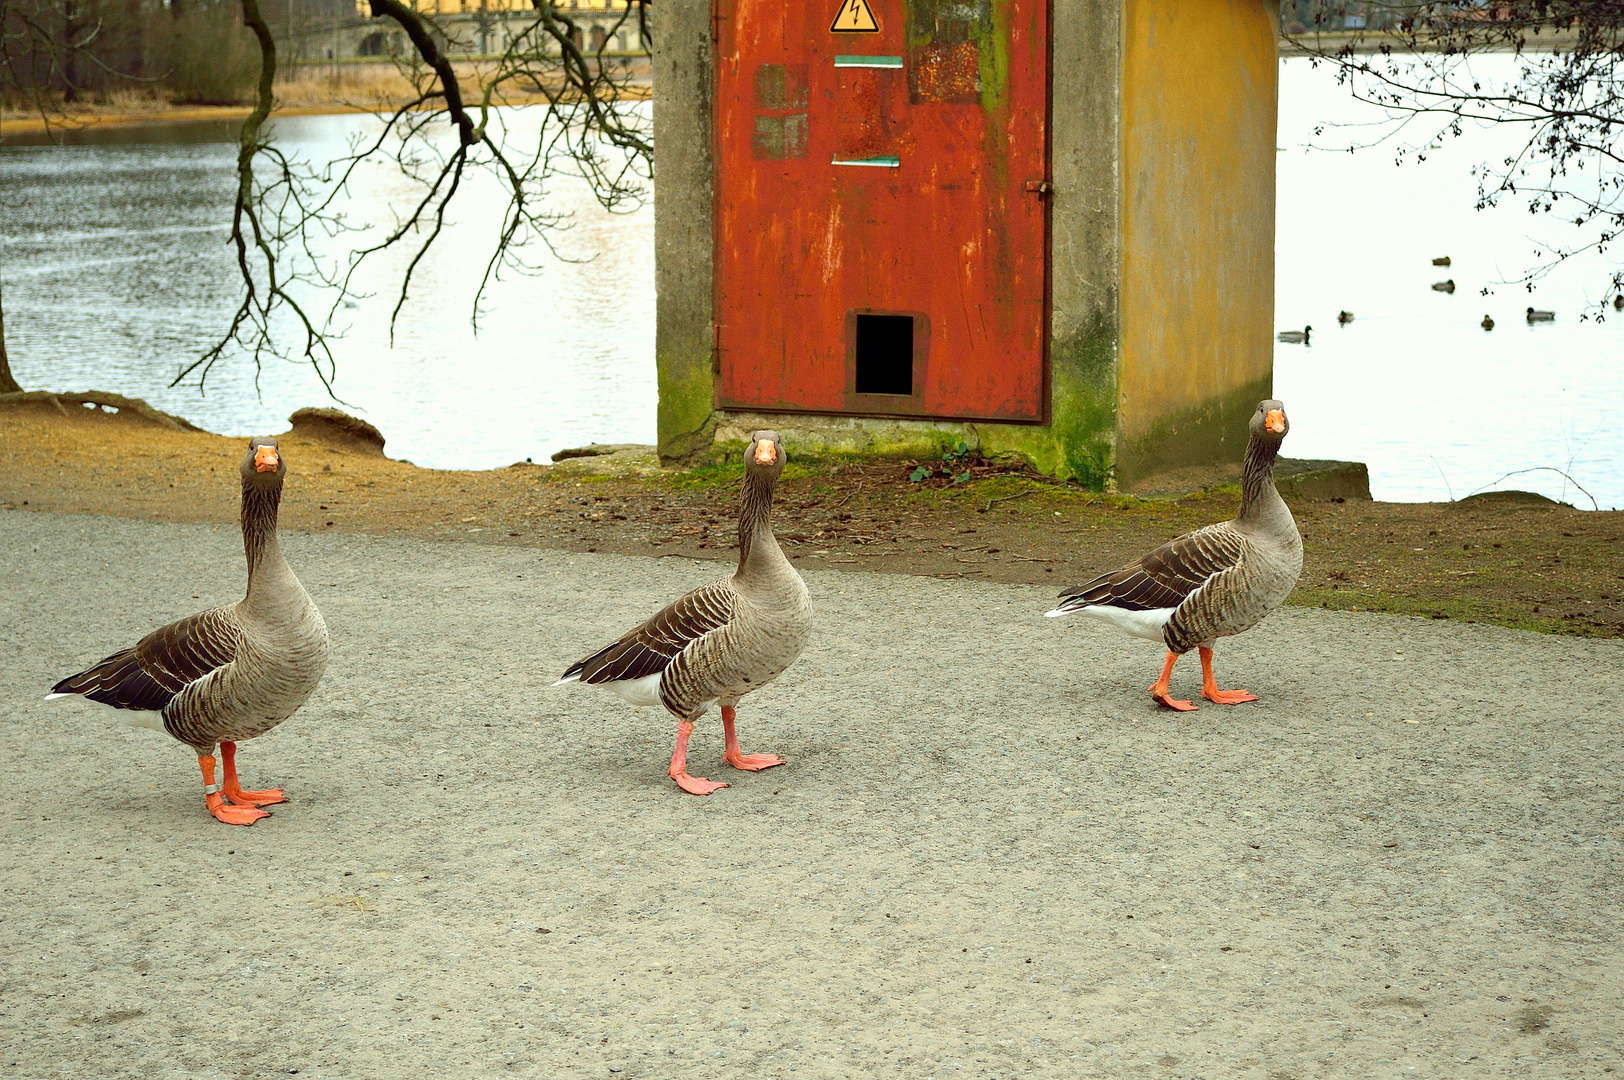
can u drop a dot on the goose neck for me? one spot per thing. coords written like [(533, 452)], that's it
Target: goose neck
[(259, 513), (1259, 497), (757, 545)]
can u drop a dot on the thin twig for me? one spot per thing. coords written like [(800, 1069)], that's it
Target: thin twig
[(1541, 468), (1007, 498), (848, 498), (1444, 478)]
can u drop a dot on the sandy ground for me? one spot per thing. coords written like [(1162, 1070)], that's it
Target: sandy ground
[(988, 856)]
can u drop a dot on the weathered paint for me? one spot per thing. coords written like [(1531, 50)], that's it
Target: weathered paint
[(1078, 443), (1198, 102), (931, 218), (1227, 218)]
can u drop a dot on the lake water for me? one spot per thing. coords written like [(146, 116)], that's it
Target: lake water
[(117, 272)]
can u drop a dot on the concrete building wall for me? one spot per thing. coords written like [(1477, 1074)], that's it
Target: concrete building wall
[(1161, 236), (1199, 93)]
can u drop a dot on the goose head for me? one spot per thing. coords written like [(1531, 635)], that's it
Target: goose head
[(765, 457), (263, 465), (1269, 422)]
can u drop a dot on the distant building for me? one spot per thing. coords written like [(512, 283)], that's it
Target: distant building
[(470, 28)]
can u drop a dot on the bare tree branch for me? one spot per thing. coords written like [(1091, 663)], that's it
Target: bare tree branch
[(592, 125), (1414, 61)]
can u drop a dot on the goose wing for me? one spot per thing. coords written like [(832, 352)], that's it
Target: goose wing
[(649, 648), (162, 664), (1166, 576)]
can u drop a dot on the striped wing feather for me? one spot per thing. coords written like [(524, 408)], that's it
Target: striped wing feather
[(1166, 576), (648, 649), (162, 664)]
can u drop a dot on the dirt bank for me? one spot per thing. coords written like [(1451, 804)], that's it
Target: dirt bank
[(1541, 567)]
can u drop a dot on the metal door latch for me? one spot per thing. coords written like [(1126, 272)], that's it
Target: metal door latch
[(1041, 188)]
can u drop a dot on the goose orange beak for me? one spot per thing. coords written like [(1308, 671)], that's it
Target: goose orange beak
[(1275, 421), (265, 459), (766, 453)]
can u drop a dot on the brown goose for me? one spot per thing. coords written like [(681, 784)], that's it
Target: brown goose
[(228, 673), (1210, 583), (720, 641)]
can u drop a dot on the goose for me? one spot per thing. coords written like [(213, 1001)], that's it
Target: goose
[(229, 673), (1343, 318), (1444, 286), (1541, 316), (1441, 261), (722, 640), (1211, 583), (1487, 323), (1295, 337)]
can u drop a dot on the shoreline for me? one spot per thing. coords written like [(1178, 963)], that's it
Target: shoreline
[(96, 115), (174, 114), (1508, 561)]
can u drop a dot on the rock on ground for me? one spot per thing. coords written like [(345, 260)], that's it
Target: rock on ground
[(989, 854)]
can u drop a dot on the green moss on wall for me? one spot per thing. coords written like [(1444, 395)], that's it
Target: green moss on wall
[(1213, 431), (1079, 443), (687, 400)]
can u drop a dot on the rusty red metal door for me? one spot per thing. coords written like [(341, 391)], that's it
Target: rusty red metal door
[(881, 228)]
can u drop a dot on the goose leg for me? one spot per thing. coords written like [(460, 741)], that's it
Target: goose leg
[(737, 758), (693, 785), (231, 815), (1158, 689), (233, 790), (1209, 687)]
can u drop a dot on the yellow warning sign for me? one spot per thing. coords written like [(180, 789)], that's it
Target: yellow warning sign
[(854, 17)]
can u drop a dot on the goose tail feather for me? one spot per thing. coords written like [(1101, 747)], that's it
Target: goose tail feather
[(119, 681), (1069, 605)]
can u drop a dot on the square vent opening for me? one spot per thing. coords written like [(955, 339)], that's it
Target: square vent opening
[(885, 354)]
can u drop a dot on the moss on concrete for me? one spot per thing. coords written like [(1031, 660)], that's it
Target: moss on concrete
[(685, 419), (1079, 442), (1212, 431), (840, 438)]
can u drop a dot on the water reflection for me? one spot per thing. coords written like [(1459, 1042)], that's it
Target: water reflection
[(118, 272)]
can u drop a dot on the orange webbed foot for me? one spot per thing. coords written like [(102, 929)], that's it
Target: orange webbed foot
[(752, 762), (1158, 689), (234, 815), (1227, 697), (696, 785), (1159, 696), (269, 797), (1209, 685)]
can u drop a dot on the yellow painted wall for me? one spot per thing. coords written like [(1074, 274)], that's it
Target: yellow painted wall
[(1198, 108)]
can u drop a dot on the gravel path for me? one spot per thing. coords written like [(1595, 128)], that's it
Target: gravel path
[(989, 855)]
